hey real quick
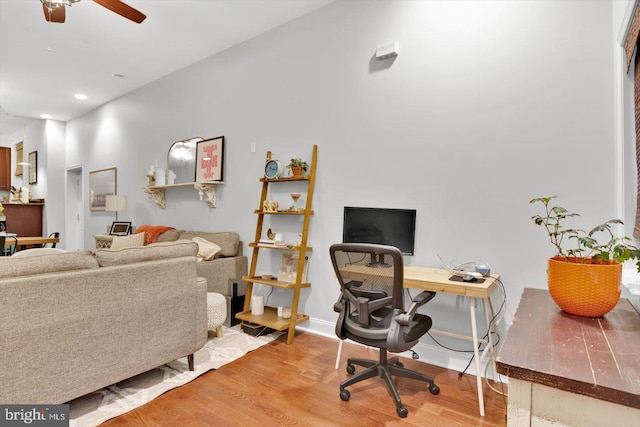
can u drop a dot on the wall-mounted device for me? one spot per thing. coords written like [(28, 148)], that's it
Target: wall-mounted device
[(387, 50)]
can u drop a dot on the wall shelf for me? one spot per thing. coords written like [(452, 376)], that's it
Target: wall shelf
[(206, 192)]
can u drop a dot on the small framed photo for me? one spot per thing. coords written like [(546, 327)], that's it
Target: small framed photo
[(209, 159), (289, 268), (33, 167), (120, 228)]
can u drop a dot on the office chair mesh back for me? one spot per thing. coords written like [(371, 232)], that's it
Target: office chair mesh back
[(372, 312)]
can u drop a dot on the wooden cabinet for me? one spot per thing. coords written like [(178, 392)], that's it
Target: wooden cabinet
[(567, 370), (24, 219), (5, 168), (270, 317)]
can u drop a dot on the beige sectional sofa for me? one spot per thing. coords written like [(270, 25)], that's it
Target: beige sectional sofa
[(75, 322), (224, 272)]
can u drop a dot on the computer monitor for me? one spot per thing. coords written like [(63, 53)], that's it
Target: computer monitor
[(384, 226)]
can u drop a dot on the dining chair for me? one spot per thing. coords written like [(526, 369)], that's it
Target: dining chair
[(10, 249), (55, 234)]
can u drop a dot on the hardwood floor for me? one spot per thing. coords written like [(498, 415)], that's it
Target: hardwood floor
[(297, 385)]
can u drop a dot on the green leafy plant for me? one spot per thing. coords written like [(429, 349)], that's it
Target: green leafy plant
[(298, 163), (586, 248)]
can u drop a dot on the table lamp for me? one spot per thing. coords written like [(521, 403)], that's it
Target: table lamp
[(115, 203)]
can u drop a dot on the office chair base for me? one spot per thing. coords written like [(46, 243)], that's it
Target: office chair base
[(384, 369)]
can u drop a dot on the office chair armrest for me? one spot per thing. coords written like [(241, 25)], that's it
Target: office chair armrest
[(423, 297), (418, 301)]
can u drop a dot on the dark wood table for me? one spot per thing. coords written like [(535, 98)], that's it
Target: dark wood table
[(570, 370)]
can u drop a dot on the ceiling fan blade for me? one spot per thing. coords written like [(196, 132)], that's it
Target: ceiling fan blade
[(56, 15), (122, 9)]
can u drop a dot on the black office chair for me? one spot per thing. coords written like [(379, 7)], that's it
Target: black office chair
[(371, 312), (55, 234)]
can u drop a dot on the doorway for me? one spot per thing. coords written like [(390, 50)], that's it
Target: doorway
[(74, 219)]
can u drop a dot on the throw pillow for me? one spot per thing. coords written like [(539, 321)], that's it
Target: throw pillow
[(152, 232), (206, 250), (121, 242)]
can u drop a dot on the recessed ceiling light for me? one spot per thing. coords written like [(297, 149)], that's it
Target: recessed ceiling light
[(45, 116), (81, 96)]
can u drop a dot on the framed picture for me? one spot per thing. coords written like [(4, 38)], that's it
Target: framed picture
[(209, 159), (120, 228), (33, 167), (289, 268), (102, 183)]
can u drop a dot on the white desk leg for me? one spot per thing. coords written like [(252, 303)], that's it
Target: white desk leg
[(339, 354), (490, 328), (474, 331)]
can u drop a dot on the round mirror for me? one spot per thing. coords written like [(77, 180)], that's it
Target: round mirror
[(181, 161)]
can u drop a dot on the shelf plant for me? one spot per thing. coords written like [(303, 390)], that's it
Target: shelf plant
[(297, 166), (586, 270)]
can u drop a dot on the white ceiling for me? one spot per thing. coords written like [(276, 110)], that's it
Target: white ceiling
[(94, 43)]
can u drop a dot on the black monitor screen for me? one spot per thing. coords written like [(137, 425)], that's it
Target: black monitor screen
[(394, 227)]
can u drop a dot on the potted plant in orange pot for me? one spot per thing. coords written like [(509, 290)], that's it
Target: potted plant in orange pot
[(297, 166), (584, 280)]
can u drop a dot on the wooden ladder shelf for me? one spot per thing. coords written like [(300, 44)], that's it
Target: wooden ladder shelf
[(270, 317)]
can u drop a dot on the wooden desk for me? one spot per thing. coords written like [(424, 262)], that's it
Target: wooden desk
[(37, 241), (438, 280), (566, 370)]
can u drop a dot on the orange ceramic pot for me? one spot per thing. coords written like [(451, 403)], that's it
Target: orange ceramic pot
[(585, 288)]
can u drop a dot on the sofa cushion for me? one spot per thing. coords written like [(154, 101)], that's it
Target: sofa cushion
[(170, 235), (38, 252), (229, 241), (206, 250), (121, 242), (154, 251), (51, 263)]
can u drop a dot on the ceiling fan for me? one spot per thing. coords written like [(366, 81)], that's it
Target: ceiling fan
[(54, 10)]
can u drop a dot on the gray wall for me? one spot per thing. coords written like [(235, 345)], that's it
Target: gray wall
[(488, 105)]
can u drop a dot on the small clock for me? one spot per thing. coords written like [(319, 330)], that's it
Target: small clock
[(273, 169)]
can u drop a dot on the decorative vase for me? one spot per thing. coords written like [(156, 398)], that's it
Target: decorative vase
[(585, 288), (160, 176)]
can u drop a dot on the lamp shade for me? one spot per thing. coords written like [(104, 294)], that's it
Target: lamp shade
[(115, 203)]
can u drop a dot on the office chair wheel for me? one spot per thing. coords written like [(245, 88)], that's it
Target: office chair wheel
[(345, 395), (400, 364), (351, 369), (402, 411), (434, 389)]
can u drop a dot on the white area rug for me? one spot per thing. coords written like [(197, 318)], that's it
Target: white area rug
[(99, 406)]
